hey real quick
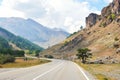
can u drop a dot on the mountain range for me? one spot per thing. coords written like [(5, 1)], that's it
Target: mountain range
[(8, 40), (33, 31)]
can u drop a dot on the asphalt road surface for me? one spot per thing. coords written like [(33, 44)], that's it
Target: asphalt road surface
[(55, 70)]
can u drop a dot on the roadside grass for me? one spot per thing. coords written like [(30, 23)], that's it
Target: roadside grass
[(99, 70), (102, 77), (21, 63)]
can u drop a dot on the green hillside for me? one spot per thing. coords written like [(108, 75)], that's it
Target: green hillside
[(19, 41), (7, 54), (4, 43), (7, 51)]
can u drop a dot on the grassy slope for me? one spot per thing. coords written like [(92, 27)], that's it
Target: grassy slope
[(98, 41)]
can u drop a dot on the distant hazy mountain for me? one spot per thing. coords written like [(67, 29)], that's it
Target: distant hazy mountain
[(7, 37), (33, 31)]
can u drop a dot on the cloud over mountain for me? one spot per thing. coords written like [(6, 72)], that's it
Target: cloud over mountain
[(66, 14)]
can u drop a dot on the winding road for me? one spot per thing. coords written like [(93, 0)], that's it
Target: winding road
[(55, 70)]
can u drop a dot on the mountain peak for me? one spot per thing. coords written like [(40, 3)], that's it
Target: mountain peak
[(33, 31)]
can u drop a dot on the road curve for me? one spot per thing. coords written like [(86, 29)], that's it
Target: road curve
[(55, 70)]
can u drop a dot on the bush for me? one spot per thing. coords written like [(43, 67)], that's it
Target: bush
[(116, 45), (66, 43), (15, 53), (111, 16), (6, 59), (105, 79), (37, 55), (48, 56), (116, 39), (72, 34), (103, 24)]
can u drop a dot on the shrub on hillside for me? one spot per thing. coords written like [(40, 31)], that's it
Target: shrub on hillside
[(116, 45), (48, 56), (66, 43), (6, 59), (15, 53), (103, 24), (111, 17), (72, 34), (116, 39)]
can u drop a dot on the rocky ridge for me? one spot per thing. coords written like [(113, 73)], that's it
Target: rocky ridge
[(108, 14), (101, 35)]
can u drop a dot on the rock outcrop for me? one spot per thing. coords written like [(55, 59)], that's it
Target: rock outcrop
[(113, 7), (108, 14), (91, 20)]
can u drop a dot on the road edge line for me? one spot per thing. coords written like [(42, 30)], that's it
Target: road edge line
[(81, 70)]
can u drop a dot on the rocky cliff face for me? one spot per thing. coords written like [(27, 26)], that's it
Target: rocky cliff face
[(91, 20), (108, 14), (113, 7)]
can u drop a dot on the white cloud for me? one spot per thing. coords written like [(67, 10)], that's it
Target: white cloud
[(108, 1), (6, 10), (65, 14)]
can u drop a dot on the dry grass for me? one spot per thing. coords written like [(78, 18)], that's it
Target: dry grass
[(21, 63), (100, 70)]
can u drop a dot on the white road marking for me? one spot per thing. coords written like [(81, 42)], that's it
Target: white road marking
[(47, 71), (82, 71)]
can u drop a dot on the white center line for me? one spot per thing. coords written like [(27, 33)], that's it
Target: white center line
[(47, 71)]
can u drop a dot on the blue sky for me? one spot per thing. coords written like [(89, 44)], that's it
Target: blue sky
[(98, 4), (0, 1), (66, 14)]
